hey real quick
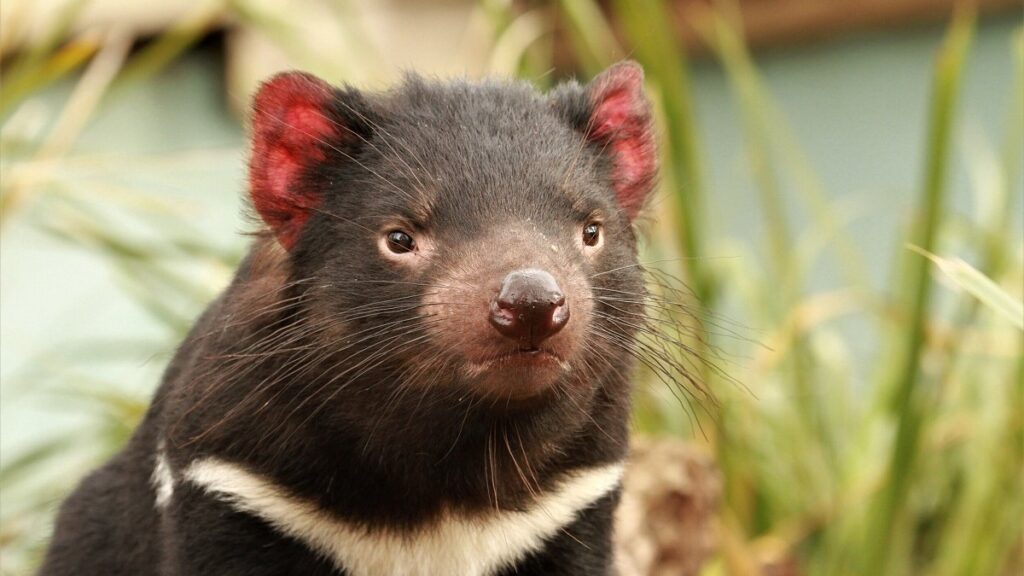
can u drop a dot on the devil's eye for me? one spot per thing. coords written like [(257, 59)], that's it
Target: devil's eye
[(400, 243), (591, 234)]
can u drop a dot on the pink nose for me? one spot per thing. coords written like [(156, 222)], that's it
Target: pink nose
[(529, 307)]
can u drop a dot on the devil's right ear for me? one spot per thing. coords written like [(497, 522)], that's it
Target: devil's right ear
[(298, 123), (614, 114)]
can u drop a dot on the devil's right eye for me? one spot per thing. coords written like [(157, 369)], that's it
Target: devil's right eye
[(400, 242)]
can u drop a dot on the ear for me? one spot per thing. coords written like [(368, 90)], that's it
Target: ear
[(293, 129), (613, 113)]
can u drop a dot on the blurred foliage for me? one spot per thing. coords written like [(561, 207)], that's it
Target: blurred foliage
[(921, 472)]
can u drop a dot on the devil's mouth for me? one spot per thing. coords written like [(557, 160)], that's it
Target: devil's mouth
[(539, 358), (528, 355), (531, 351), (522, 377)]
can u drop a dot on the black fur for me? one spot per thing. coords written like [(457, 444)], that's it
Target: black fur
[(320, 367)]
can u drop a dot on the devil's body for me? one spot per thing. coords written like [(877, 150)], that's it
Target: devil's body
[(346, 402)]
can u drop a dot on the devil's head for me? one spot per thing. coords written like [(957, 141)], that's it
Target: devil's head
[(460, 248)]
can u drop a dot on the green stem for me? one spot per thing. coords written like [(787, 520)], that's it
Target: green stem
[(994, 249), (909, 401), (592, 37)]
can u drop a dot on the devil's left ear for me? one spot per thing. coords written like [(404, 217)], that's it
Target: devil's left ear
[(614, 114), (295, 127)]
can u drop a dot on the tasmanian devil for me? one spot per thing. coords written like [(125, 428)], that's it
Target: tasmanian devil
[(422, 367)]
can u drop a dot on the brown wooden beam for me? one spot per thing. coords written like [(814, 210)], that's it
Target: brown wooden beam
[(769, 23)]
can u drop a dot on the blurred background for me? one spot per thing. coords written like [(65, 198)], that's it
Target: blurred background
[(839, 226)]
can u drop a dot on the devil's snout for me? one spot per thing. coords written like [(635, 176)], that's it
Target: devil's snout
[(529, 308)]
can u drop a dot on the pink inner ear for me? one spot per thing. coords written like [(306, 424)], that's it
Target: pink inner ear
[(621, 121), (290, 130)]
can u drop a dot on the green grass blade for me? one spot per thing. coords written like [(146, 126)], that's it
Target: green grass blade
[(592, 38), (763, 115), (646, 23), (172, 43), (47, 61), (980, 286), (889, 508)]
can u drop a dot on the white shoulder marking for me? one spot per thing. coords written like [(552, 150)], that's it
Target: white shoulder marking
[(455, 544), (162, 479)]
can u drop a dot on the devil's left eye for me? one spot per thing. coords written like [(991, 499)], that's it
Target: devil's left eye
[(591, 234), (400, 243)]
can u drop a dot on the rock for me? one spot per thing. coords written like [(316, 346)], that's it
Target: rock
[(665, 525)]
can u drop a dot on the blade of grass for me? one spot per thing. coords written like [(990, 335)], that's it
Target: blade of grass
[(27, 461), (891, 504), (514, 42), (172, 43), (75, 115), (646, 23), (18, 86), (720, 29), (46, 62), (980, 286), (730, 49), (592, 38), (726, 41), (1000, 193), (983, 527)]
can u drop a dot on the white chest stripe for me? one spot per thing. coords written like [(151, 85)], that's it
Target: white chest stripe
[(162, 480), (469, 546)]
